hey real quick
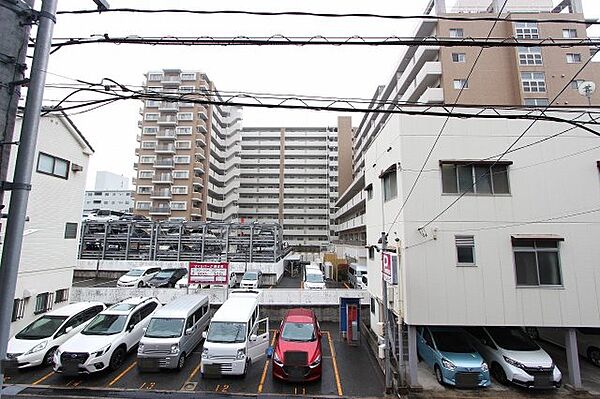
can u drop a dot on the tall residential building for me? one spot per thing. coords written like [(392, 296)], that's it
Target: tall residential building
[(526, 76), (482, 240), (291, 175), (188, 151), (50, 239), (110, 181)]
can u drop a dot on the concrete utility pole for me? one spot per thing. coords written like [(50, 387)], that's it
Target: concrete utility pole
[(387, 339), (21, 185), (15, 26)]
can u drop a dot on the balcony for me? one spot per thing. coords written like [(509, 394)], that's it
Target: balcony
[(353, 203), (168, 106), (167, 120), (196, 196), (168, 134), (165, 178), (165, 149), (199, 168), (160, 210), (203, 115), (353, 223), (161, 194), (427, 77), (171, 80), (201, 128), (200, 157), (198, 181), (433, 95), (163, 164), (200, 142)]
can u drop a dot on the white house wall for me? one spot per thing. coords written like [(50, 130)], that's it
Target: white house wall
[(546, 181)]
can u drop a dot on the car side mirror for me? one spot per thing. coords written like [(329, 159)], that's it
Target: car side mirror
[(68, 329), (253, 337), (204, 334), (189, 331)]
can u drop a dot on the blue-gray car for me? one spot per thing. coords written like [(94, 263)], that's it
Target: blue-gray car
[(453, 359)]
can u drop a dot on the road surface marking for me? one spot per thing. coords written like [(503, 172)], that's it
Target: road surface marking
[(44, 378), (106, 282), (264, 373), (83, 281), (194, 372), (148, 385), (335, 367), (117, 378)]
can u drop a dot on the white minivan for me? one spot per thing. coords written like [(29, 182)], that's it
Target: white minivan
[(313, 279), (236, 336)]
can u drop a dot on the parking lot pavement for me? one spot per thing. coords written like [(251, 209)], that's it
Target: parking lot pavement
[(94, 282), (345, 370)]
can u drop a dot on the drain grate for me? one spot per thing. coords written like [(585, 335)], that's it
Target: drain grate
[(189, 386)]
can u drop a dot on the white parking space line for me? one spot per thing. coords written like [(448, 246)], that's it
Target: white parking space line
[(83, 281), (106, 282)]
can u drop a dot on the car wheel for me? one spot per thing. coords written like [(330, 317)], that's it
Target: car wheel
[(181, 361), (117, 359), (49, 358), (140, 284), (499, 374), (438, 375), (594, 356)]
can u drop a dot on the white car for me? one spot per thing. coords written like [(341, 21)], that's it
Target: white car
[(138, 276), (362, 283), (103, 215), (251, 279), (514, 357), (588, 340), (36, 343), (106, 340), (313, 280)]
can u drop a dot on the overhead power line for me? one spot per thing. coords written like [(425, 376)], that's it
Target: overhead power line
[(509, 18)]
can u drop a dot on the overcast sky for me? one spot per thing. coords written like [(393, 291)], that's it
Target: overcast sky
[(326, 71)]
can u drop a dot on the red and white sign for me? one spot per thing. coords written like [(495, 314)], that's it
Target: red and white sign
[(209, 273), (388, 267)]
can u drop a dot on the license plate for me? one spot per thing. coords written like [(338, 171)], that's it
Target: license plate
[(212, 370), (148, 364), (467, 380), (71, 368), (543, 381)]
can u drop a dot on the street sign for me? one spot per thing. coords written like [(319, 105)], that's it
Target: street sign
[(389, 267), (216, 273)]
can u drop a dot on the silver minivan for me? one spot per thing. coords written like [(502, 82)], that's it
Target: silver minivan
[(173, 333)]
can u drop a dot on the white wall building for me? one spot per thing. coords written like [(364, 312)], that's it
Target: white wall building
[(106, 181), (50, 241), (114, 200)]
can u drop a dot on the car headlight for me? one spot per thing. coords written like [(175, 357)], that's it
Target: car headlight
[(316, 362), (37, 348), (276, 359), (513, 362), (101, 351), (205, 353), (241, 354), (141, 348), (174, 349), (448, 364), (484, 366)]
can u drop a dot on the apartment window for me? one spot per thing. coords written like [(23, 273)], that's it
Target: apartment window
[(149, 144), (178, 205), (533, 82), (152, 103), (145, 174), (153, 77), (179, 189), (150, 130), (461, 84), (183, 130), (369, 190), (475, 177), (144, 189), (569, 33), (537, 262), (70, 231), (186, 89), (186, 105), (459, 57), (465, 250), (181, 174), (530, 55), (183, 145), (142, 205), (537, 102), (54, 166), (151, 116), (18, 310), (573, 58), (61, 295), (457, 33), (147, 159), (43, 302), (527, 30), (576, 83), (371, 252), (185, 116), (390, 184), (188, 76), (182, 159)]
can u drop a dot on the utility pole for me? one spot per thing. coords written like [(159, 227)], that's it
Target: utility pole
[(387, 339), (21, 185), (15, 26)]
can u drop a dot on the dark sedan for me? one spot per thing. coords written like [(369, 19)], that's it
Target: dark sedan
[(167, 278)]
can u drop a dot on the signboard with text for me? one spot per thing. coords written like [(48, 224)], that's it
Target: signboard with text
[(389, 267), (209, 273)]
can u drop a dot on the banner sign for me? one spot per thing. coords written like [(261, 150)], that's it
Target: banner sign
[(389, 267), (209, 273)]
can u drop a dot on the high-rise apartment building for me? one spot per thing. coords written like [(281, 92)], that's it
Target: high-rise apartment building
[(188, 151), (291, 175)]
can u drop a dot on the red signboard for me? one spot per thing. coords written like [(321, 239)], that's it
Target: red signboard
[(209, 273), (388, 267)]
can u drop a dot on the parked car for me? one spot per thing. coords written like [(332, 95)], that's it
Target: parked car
[(127, 217), (251, 279), (103, 215), (313, 279), (236, 337), (363, 282), (588, 340), (106, 340), (167, 278), (35, 344), (515, 358), (453, 359), (138, 276), (297, 353), (355, 272), (173, 333)]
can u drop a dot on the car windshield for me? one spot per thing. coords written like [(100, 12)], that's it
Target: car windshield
[(103, 213), (226, 332), (298, 332), (134, 273), (512, 338), (451, 341), (42, 328), (105, 324), (314, 278), (165, 273), (165, 328), (250, 276)]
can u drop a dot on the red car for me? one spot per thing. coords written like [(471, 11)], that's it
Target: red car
[(297, 352)]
